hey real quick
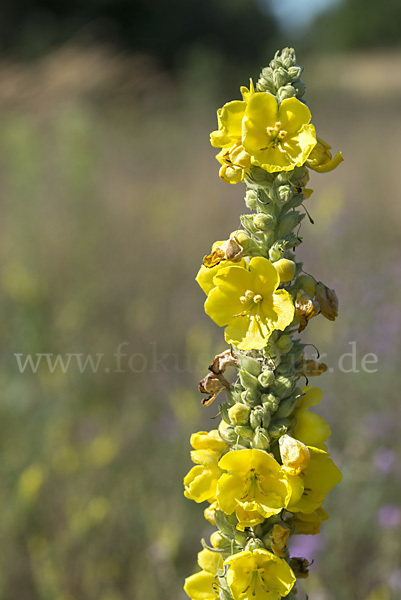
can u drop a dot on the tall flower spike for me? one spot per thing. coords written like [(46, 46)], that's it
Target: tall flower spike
[(265, 471)]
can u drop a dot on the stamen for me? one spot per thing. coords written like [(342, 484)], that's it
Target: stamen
[(257, 298)]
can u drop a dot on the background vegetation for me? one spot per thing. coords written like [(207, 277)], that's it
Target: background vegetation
[(109, 199)]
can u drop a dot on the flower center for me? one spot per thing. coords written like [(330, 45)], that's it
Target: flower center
[(255, 576), (250, 295), (275, 135)]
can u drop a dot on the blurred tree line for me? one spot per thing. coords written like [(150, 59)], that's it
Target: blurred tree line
[(235, 30), (178, 33), (357, 24)]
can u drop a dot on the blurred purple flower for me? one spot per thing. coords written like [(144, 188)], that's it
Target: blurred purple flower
[(384, 460), (395, 580), (307, 546), (389, 516)]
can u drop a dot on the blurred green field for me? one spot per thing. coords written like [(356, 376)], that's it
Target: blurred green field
[(110, 197)]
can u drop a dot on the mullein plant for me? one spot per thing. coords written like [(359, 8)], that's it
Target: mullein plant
[(265, 471)]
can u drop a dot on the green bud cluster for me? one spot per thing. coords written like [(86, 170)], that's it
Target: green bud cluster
[(282, 77)]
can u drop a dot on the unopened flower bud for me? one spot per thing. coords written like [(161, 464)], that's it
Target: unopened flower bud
[(328, 301), (254, 544), (307, 283), (260, 440), (263, 222), (239, 414), (285, 193), (275, 63), (241, 237), (287, 91), (280, 77), (288, 57), (251, 199), (251, 397), (294, 454), (227, 432), (266, 378), (244, 431), (284, 344), (285, 269), (271, 402), (278, 428), (283, 386), (295, 72), (217, 540), (276, 251)]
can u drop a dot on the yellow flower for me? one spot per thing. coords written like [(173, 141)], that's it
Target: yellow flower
[(258, 575), (278, 138), (201, 586), (309, 523), (310, 428), (319, 477), (255, 482), (247, 301), (201, 482), (321, 160)]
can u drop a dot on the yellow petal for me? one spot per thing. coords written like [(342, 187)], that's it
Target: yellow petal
[(220, 305), (262, 108), (311, 429), (247, 518), (330, 165), (319, 477), (231, 116), (284, 309), (201, 586), (293, 114), (246, 333), (200, 484), (208, 440), (237, 461), (265, 277), (229, 488)]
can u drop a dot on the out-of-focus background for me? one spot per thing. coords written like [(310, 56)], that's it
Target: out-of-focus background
[(110, 197)]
